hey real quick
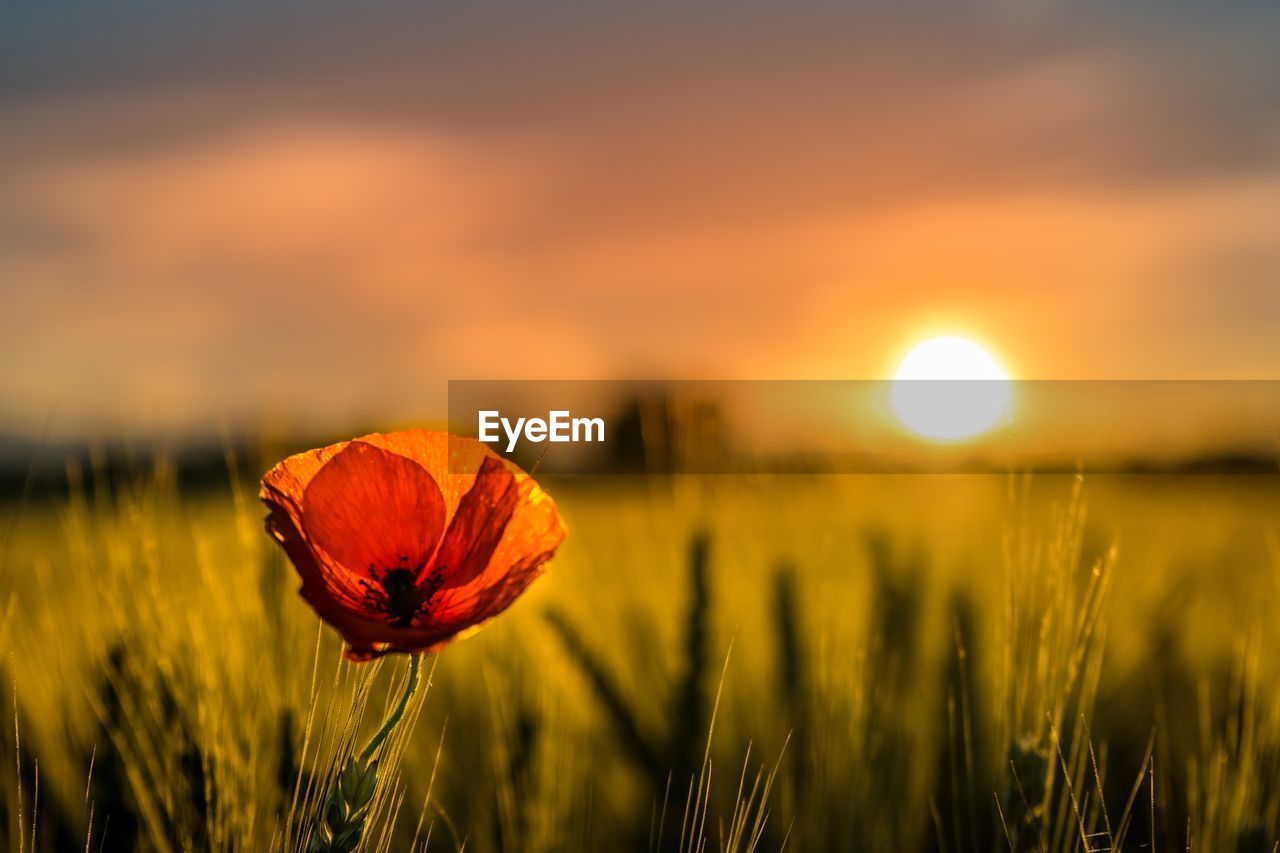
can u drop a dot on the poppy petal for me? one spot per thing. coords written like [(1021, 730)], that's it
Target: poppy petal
[(318, 590), (459, 608), (370, 509), (478, 524)]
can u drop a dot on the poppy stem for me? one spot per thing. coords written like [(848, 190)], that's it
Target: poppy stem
[(394, 718)]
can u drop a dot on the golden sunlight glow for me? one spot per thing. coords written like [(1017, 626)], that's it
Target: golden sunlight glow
[(928, 401)]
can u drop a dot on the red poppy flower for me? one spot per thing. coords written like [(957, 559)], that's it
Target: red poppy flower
[(399, 552)]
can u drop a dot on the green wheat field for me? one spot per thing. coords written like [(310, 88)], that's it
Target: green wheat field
[(862, 663)]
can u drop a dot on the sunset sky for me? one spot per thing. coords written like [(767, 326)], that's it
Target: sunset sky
[(316, 215)]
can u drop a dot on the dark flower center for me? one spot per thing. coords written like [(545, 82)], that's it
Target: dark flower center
[(402, 593), (404, 598)]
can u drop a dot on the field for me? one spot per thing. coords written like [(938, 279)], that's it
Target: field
[(964, 663)]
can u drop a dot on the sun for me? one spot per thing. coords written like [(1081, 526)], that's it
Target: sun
[(927, 399)]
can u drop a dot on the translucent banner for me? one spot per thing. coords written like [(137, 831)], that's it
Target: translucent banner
[(898, 426)]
